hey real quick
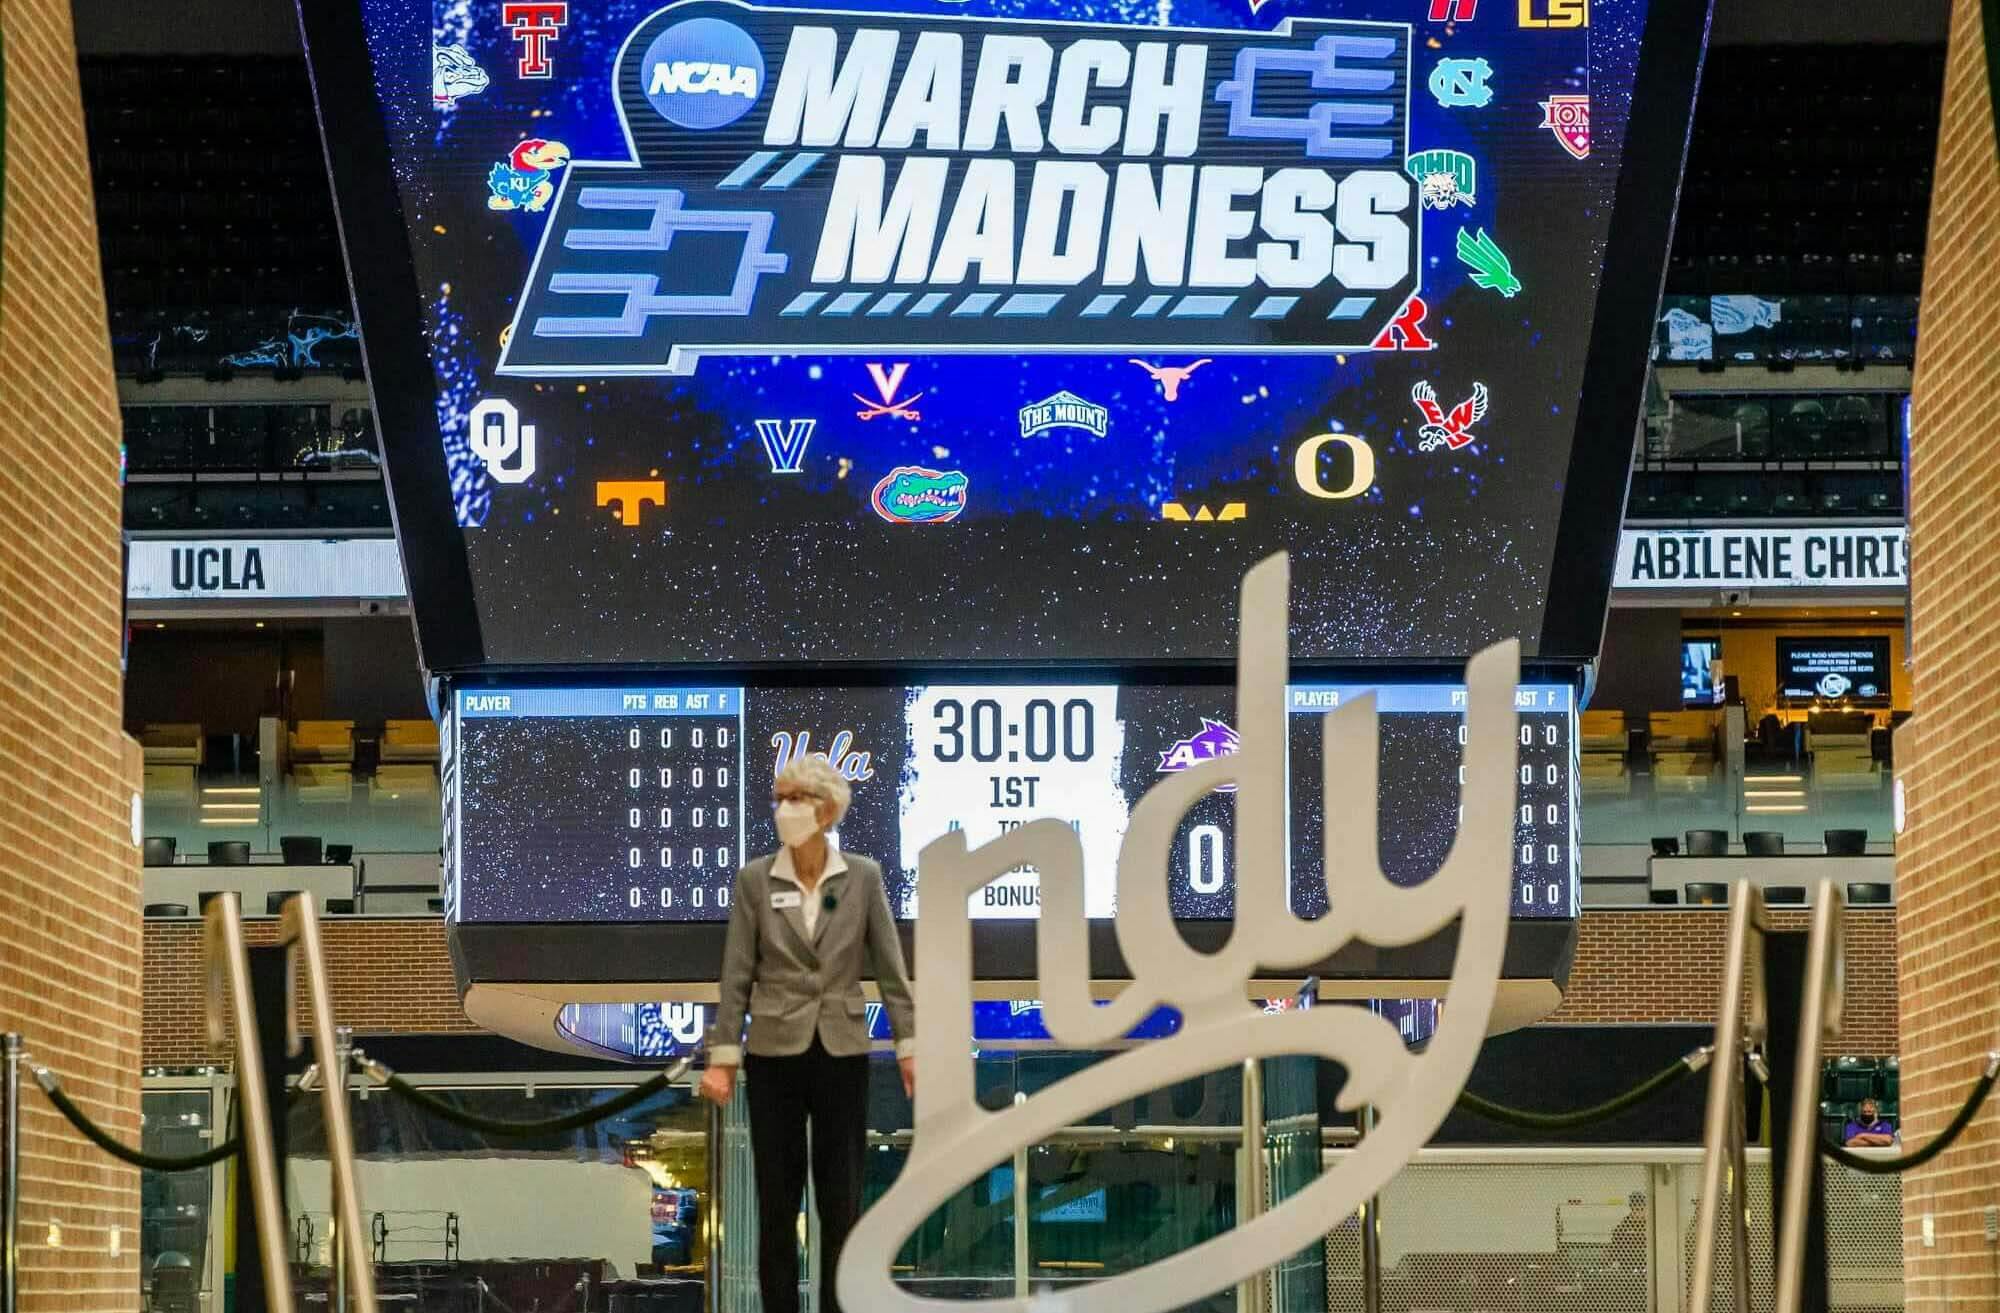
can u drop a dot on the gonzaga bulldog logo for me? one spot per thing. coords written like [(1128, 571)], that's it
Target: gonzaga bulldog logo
[(956, 1140), (803, 181)]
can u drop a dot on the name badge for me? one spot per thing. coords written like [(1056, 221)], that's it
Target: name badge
[(784, 899)]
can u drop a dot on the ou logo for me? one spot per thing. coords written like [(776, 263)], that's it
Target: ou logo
[(1305, 466)]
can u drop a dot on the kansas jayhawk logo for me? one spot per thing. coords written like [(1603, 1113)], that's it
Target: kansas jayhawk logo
[(1453, 430)]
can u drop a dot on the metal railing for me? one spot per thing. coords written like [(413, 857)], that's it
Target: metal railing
[(229, 1001)]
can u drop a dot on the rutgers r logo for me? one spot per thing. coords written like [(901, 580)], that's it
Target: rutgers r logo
[(1554, 13)]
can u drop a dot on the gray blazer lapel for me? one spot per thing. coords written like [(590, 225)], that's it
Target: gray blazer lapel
[(832, 886), (793, 916)]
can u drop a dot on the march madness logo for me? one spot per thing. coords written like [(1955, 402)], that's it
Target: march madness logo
[(811, 182)]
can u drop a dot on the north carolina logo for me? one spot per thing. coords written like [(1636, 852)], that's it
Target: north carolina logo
[(703, 73)]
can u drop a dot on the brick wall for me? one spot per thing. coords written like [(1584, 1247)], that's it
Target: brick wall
[(1948, 860), (69, 879), (386, 977), (1650, 966), (1662, 966)]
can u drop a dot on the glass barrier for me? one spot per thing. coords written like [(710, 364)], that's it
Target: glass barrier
[(333, 501), (248, 438), (1753, 329), (1713, 426), (178, 1218), (1671, 773), (290, 342), (613, 1218)]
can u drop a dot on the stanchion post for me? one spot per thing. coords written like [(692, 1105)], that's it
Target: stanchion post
[(1371, 1235), (1250, 1177), (1021, 1213), (343, 1058), (354, 1273), (711, 1219), (10, 1174), (1740, 1027)]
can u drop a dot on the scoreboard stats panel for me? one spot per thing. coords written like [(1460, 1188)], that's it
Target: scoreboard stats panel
[(639, 804)]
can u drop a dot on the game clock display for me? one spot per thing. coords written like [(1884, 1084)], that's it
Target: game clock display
[(639, 804), (1056, 313)]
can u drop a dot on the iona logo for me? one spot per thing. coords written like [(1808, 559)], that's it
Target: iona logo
[(703, 73)]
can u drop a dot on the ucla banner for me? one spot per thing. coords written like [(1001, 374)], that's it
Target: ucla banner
[(978, 185)]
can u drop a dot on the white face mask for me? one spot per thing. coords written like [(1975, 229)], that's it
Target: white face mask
[(798, 821)]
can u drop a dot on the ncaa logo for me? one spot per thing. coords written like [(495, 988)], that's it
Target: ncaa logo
[(703, 73)]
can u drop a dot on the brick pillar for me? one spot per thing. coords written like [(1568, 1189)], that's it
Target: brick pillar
[(69, 897), (1948, 859)]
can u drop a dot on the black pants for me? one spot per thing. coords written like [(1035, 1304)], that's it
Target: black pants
[(784, 1094)]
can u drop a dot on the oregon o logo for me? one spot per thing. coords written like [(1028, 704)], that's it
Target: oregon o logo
[(702, 73)]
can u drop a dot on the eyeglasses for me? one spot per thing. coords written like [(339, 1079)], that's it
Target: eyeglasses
[(780, 799)]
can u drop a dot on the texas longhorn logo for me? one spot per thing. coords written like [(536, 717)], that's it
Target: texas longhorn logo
[(957, 1139), (1453, 430)]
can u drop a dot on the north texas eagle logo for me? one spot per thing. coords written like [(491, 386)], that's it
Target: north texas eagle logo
[(1442, 430)]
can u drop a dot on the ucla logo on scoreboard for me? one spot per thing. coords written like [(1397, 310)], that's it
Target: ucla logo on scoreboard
[(703, 73), (811, 181)]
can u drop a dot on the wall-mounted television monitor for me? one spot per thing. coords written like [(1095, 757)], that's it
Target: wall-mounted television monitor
[(1851, 671), (1701, 672)]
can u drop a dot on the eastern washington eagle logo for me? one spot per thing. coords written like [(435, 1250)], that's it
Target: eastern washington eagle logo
[(1442, 430)]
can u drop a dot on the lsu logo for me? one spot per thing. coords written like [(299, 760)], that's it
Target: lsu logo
[(703, 73), (1554, 13)]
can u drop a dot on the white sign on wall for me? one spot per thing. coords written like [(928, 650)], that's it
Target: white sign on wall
[(287, 569), (1855, 556)]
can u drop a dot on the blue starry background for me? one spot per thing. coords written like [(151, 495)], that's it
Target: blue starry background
[(1061, 553)]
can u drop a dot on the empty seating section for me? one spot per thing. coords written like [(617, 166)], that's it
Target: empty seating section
[(1681, 745), (1840, 746), (1845, 1082), (1603, 752), (410, 740), (369, 785), (205, 200), (1809, 171), (173, 756)]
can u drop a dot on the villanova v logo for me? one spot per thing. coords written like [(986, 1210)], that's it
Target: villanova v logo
[(785, 442), (956, 1139)]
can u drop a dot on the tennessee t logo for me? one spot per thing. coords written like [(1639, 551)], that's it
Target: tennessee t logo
[(535, 24), (627, 498)]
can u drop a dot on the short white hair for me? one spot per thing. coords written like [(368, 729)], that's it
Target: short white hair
[(815, 775)]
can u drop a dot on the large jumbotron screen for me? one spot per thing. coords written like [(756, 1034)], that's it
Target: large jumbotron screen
[(1003, 331)]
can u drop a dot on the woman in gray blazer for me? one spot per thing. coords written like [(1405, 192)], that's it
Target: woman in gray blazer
[(802, 922)]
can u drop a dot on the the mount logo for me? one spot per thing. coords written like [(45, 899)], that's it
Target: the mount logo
[(1064, 410), (901, 184)]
